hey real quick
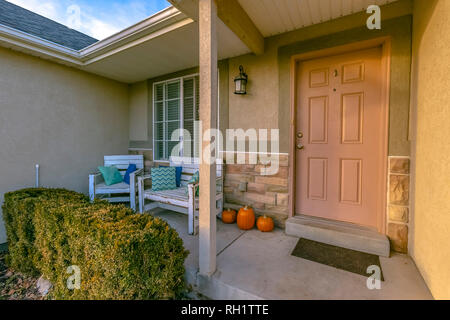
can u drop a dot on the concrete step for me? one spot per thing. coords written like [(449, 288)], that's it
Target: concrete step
[(340, 234)]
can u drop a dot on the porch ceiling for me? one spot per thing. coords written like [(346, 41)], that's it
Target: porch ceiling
[(163, 43), (274, 17), (178, 49), (168, 41), (170, 52)]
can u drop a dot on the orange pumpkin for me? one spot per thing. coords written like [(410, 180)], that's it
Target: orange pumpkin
[(229, 216), (246, 218), (265, 224)]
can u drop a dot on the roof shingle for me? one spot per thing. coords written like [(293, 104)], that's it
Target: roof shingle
[(24, 20)]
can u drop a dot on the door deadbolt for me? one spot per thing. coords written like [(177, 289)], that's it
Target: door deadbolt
[(299, 135)]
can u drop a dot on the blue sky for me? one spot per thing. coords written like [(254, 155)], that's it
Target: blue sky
[(97, 18)]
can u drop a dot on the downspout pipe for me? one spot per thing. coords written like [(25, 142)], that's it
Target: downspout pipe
[(37, 176)]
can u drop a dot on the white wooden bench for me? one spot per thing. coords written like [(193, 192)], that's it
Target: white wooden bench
[(116, 192), (178, 199)]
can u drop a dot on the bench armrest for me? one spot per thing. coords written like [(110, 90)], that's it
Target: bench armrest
[(96, 178), (192, 188), (133, 183), (136, 174), (140, 182), (195, 185), (218, 179), (144, 177)]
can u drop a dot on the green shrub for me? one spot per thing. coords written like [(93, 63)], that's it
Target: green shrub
[(18, 213), (121, 255)]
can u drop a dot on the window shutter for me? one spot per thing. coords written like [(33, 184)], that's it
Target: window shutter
[(173, 110), (188, 115), (197, 117), (173, 90), (159, 150), (159, 96), (197, 98), (167, 104)]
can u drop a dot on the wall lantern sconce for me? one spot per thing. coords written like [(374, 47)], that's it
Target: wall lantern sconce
[(240, 82)]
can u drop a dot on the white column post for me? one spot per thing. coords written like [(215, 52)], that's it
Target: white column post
[(208, 116)]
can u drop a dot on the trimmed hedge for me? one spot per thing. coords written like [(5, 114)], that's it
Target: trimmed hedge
[(18, 213), (121, 255)]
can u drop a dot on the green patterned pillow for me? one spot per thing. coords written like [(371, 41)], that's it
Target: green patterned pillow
[(164, 178)]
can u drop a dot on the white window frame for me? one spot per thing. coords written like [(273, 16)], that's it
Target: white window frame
[(181, 79), (165, 82)]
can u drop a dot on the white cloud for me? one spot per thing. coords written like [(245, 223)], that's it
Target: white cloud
[(107, 20), (96, 28), (57, 11)]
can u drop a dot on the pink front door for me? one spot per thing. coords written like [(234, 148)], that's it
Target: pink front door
[(339, 138)]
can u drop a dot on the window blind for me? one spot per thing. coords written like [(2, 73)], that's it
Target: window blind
[(176, 106)]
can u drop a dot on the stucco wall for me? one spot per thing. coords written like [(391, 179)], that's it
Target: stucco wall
[(430, 233), (59, 117), (259, 107), (139, 111), (267, 103)]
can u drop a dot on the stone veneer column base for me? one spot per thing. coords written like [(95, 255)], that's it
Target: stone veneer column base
[(398, 203)]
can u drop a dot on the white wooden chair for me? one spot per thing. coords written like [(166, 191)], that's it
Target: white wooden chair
[(116, 192), (178, 200)]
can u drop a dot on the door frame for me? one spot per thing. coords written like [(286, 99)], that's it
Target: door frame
[(385, 43)]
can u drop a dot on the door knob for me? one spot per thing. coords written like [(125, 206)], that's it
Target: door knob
[(300, 146), (300, 135)]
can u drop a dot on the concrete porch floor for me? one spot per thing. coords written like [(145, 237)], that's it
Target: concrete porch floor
[(256, 265)]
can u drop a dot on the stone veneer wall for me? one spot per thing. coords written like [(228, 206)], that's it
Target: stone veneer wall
[(398, 203), (267, 195)]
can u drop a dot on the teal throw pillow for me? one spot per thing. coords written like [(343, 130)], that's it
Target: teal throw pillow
[(111, 175)]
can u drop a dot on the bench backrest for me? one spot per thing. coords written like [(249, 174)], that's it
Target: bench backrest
[(190, 168), (122, 162)]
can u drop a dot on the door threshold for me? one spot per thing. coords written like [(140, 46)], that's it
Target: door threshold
[(340, 234)]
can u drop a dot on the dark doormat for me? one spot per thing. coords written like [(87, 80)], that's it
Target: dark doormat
[(337, 257)]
